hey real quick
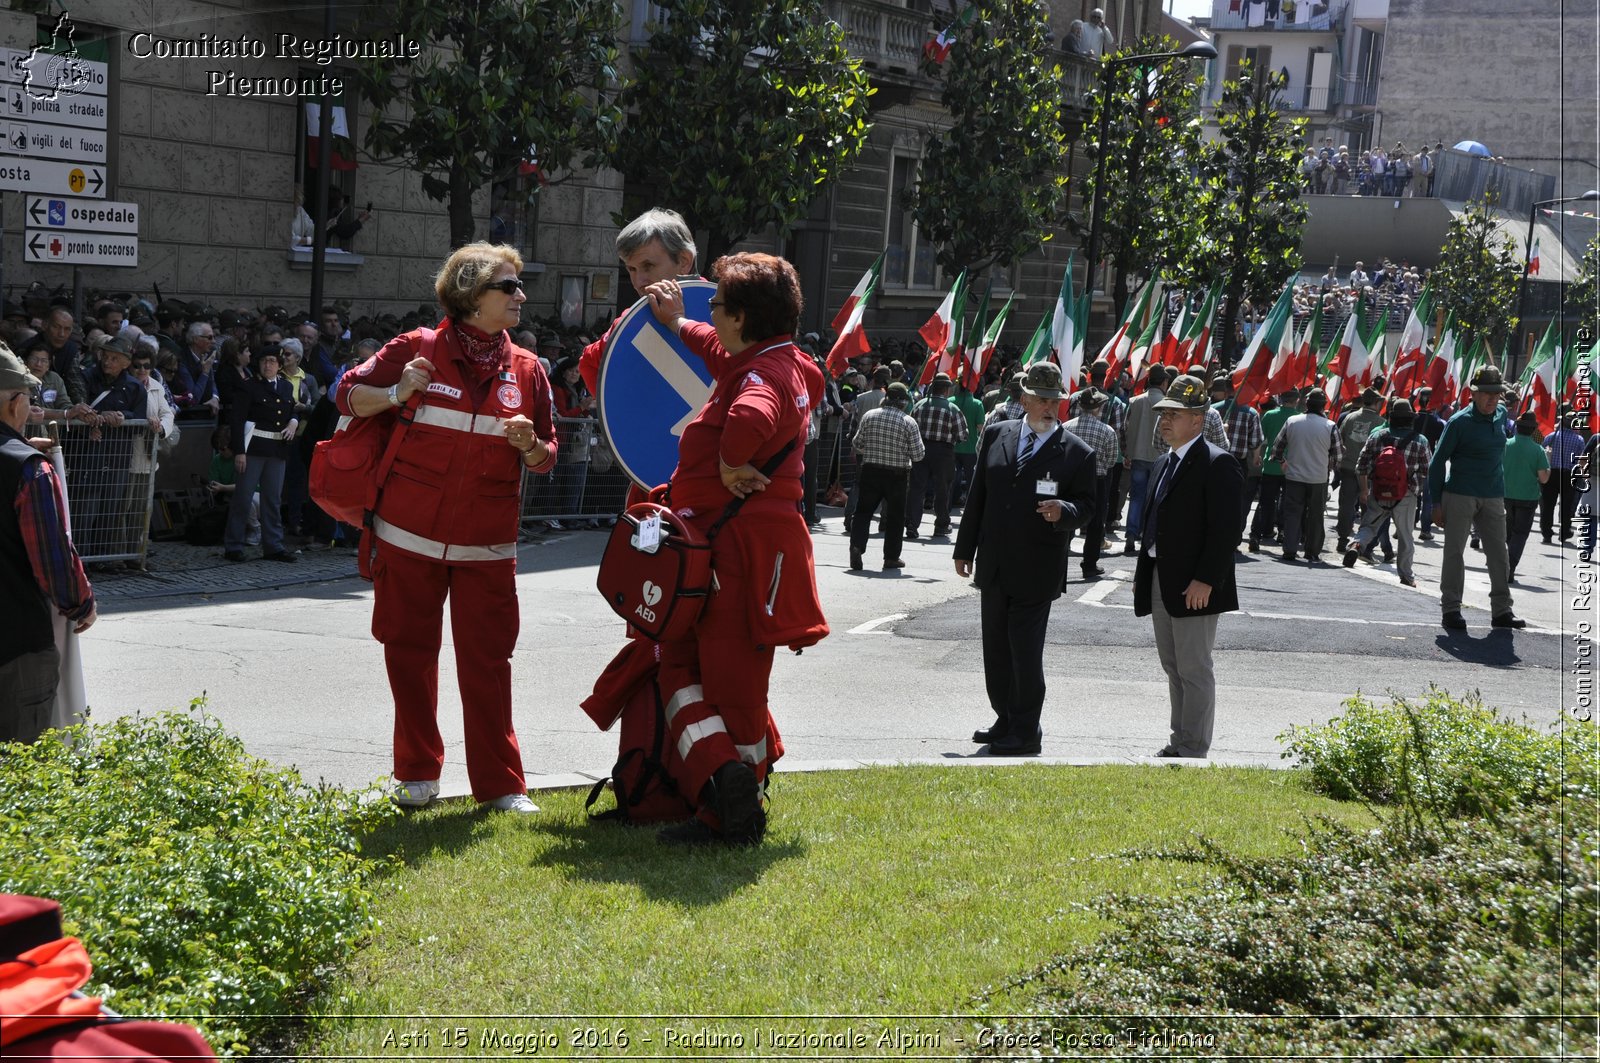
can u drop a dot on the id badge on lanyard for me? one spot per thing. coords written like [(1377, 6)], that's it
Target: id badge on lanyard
[(1045, 487)]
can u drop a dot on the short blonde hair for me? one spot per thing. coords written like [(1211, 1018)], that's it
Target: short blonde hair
[(467, 273)]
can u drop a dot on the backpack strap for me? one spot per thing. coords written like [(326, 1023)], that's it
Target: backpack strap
[(772, 466), (407, 414)]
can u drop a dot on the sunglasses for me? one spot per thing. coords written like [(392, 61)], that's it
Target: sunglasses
[(507, 286)]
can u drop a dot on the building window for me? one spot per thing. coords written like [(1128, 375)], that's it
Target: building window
[(910, 262), (514, 211), (573, 287), (343, 213)]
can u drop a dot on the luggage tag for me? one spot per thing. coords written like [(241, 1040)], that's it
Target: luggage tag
[(647, 540)]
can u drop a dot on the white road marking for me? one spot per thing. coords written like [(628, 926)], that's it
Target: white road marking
[(871, 626), (676, 372), (1108, 584)]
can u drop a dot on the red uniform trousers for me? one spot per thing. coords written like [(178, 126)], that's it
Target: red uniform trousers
[(714, 683), (408, 618)]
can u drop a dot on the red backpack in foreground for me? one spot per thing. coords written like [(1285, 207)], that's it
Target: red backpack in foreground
[(1390, 478)]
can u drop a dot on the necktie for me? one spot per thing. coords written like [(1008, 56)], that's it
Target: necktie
[(1030, 442), (1155, 499)]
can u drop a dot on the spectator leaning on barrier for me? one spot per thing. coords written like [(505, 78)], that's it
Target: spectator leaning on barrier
[(40, 571)]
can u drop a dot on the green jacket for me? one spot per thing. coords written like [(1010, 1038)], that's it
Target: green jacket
[(1473, 450)]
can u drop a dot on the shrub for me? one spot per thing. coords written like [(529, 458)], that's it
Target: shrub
[(1451, 756), (204, 882)]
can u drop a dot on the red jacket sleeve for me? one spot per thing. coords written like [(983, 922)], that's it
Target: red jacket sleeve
[(381, 370), (589, 362), (540, 413), (701, 338)]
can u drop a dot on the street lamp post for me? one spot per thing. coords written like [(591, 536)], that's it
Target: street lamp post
[(1193, 50), (1527, 255)]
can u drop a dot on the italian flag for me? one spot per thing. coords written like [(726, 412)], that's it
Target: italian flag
[(1275, 336), (938, 49), (1533, 258), (1475, 357), (852, 341), (979, 360), (1196, 343), (1039, 343), (1440, 375), (864, 287), (1064, 330), (1167, 348), (1293, 368), (1378, 347), (1411, 357), (1539, 387), (1353, 363), (1118, 351), (940, 331)]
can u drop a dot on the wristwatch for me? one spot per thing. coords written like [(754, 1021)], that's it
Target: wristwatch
[(394, 395)]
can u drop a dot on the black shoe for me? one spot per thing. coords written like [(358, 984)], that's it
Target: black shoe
[(1130, 549), (889, 566), (1009, 746), (1477, 543), (1454, 621), (912, 534), (1508, 620), (984, 735), (941, 530), (736, 799), (1426, 537), (1388, 557), (1350, 558), (235, 555), (1255, 546), (282, 555), (1093, 573), (1344, 544), (847, 523), (1287, 556), (855, 560), (1168, 751)]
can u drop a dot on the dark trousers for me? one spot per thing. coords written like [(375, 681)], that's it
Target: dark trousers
[(809, 480), (1094, 529), (879, 484), (1519, 523), (1558, 487), (1303, 519), (1269, 498), (1349, 503), (1252, 487), (939, 467), (1013, 660), (1116, 493), (965, 465)]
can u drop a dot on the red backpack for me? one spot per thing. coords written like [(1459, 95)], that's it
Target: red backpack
[(1390, 479), (645, 778)]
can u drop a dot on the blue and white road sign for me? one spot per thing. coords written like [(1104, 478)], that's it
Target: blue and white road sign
[(652, 386)]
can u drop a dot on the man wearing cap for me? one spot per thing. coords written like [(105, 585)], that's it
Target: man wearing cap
[(1431, 425), (40, 572), (1265, 524), (1466, 484), (1355, 428), (1087, 426), (887, 444), (1035, 483), (1404, 435), (942, 426), (1309, 449), (1010, 409), (1184, 576)]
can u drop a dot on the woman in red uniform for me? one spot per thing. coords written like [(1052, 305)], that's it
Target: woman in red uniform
[(714, 683), (447, 518)]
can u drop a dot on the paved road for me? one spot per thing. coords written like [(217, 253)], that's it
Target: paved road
[(285, 657)]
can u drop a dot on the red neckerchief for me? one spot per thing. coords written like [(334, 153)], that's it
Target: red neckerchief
[(483, 351)]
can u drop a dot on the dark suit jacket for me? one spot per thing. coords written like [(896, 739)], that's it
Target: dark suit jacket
[(1017, 550), (1197, 531)]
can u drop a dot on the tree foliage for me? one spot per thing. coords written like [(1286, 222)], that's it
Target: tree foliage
[(993, 184), (1249, 209), (1152, 143), (1479, 275), (739, 113), (1583, 296), (502, 80)]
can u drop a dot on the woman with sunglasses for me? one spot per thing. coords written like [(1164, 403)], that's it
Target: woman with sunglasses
[(447, 518)]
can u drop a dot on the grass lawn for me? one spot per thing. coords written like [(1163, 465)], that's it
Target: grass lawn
[(897, 891)]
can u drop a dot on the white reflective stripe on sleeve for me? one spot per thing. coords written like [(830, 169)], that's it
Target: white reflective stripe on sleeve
[(687, 696), (753, 754), (698, 730), (460, 421), (344, 422), (405, 540)]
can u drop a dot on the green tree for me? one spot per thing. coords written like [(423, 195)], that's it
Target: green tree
[(1479, 275), (994, 183), (1583, 296), (1248, 206), (740, 113), (502, 80), (1151, 146)]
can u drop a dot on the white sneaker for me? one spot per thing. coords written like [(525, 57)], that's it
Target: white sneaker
[(513, 803), (416, 794)]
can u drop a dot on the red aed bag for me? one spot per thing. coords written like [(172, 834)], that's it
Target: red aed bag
[(660, 593), (344, 468)]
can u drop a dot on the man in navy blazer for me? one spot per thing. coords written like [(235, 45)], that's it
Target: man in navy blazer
[(1034, 484), (1184, 576)]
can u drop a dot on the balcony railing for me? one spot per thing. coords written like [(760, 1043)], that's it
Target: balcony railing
[(885, 36), (1238, 15)]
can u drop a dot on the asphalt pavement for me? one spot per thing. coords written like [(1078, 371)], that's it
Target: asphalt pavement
[(284, 656)]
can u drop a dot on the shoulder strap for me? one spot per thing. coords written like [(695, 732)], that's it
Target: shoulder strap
[(408, 413), (772, 466)]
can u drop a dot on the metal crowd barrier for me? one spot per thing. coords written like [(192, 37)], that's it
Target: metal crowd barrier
[(110, 485), (587, 484)]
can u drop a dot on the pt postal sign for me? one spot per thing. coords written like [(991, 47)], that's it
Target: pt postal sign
[(54, 178), (81, 232)]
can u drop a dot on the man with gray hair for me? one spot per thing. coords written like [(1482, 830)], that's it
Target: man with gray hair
[(195, 377), (1093, 38), (655, 246)]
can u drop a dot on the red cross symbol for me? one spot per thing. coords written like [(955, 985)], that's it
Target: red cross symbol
[(55, 247)]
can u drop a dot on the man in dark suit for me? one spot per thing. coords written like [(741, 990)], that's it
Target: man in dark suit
[(1184, 576), (1034, 484)]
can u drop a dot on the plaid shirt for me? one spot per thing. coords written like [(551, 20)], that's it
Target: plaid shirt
[(1101, 439), (1244, 428), (1009, 410), (1418, 455), (888, 436), (940, 421), (1215, 433), (55, 562), (1564, 446), (1113, 414)]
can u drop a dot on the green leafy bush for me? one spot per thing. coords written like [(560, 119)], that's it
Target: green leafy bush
[(1451, 756), (204, 881)]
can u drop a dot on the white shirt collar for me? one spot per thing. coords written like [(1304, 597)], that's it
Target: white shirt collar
[(1183, 451)]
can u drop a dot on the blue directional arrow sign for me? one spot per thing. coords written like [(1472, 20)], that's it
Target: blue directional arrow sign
[(651, 387)]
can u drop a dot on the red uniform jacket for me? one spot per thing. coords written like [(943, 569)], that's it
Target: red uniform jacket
[(454, 493)]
